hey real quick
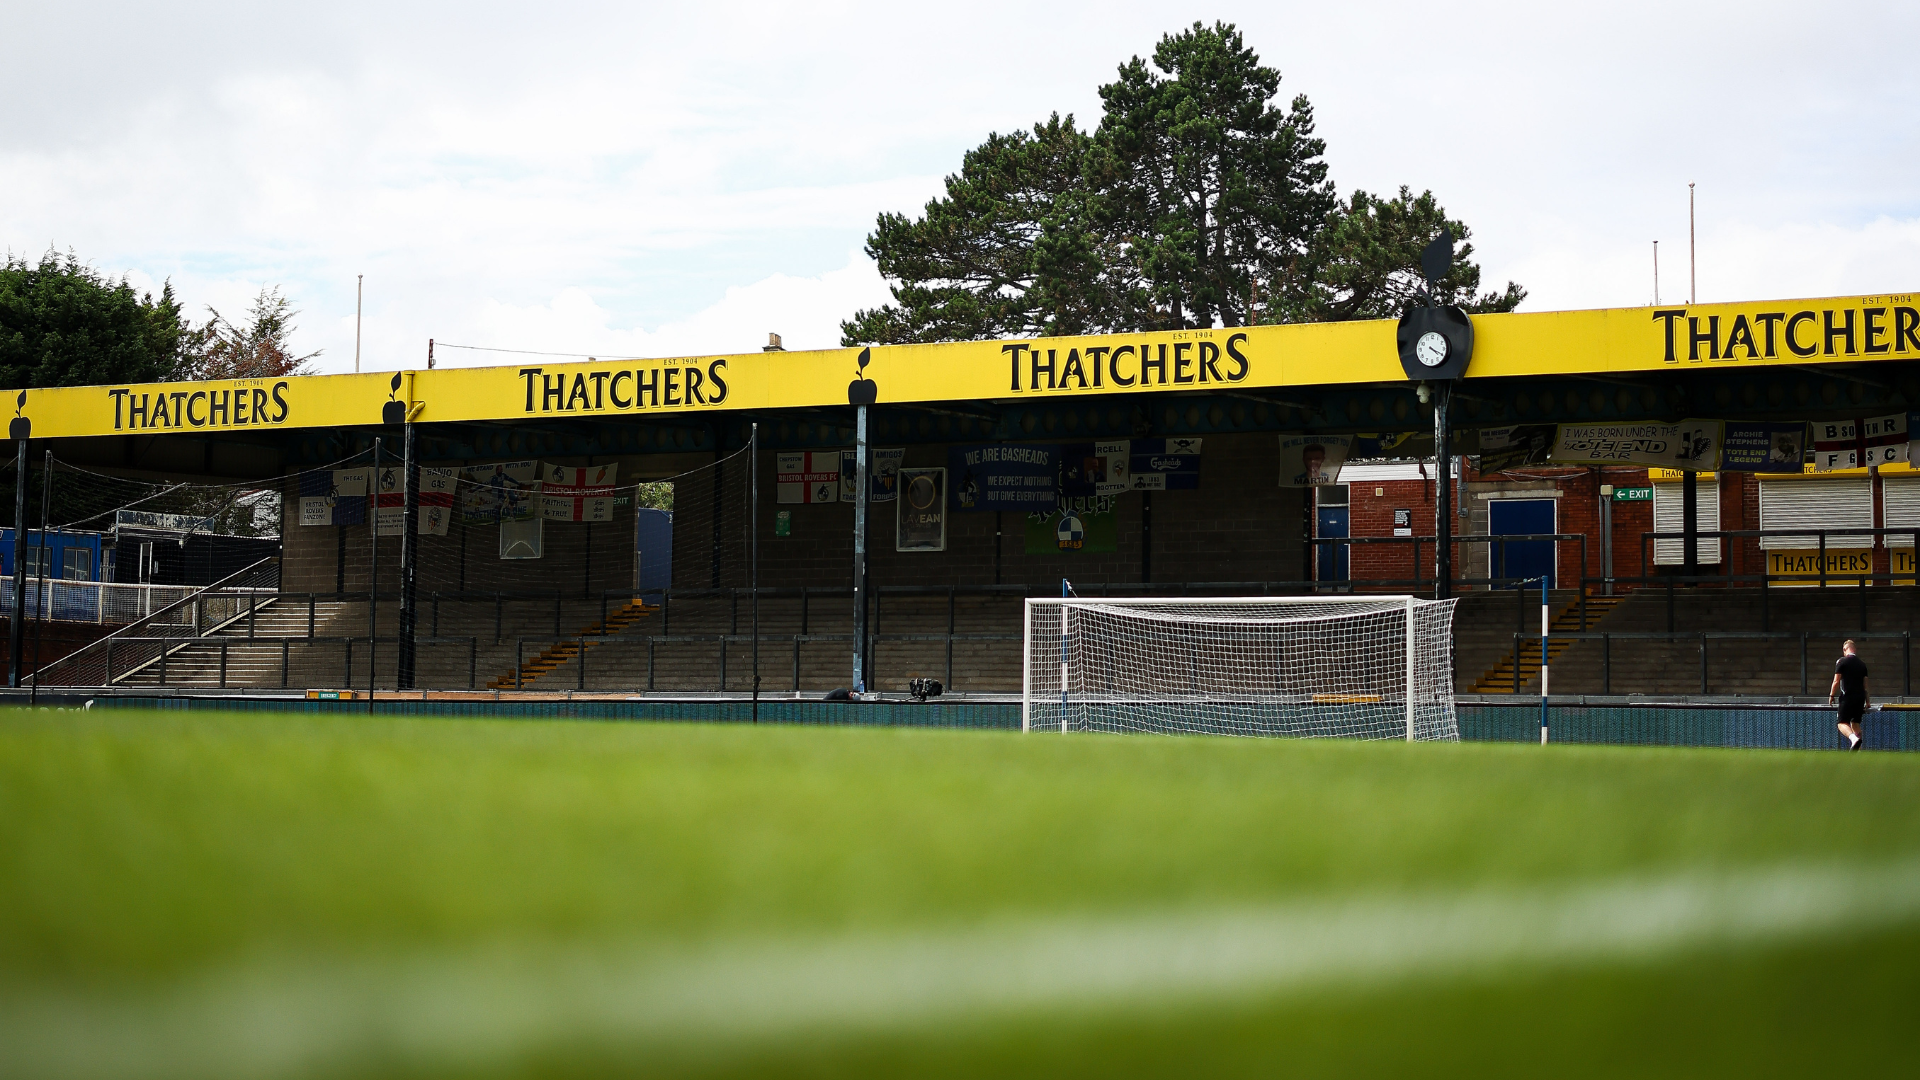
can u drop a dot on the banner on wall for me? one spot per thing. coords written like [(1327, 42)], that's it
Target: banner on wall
[(580, 476), (1689, 444), (921, 521), (1514, 447), (1004, 476), (1089, 524), (1762, 447), (883, 474), (807, 476), (1379, 444), (436, 502), (1165, 465), (577, 503), (504, 491), (1312, 460), (1839, 444), (333, 497), (1095, 468)]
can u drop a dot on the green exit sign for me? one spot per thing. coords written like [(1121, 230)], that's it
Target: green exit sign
[(1627, 494)]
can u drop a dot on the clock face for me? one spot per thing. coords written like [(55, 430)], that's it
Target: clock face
[(1431, 349)]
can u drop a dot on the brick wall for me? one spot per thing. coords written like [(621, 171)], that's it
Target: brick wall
[(579, 558), (1240, 525)]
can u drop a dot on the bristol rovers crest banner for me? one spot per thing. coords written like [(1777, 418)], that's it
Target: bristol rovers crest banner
[(436, 502), (333, 497)]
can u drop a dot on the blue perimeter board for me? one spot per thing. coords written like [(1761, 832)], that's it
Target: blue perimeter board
[(1776, 727)]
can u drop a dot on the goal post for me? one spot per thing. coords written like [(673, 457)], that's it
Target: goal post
[(1370, 667)]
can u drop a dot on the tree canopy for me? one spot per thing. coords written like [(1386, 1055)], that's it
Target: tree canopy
[(63, 324), (1197, 201), (218, 349)]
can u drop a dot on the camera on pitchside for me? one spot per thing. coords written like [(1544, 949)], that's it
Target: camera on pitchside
[(922, 689)]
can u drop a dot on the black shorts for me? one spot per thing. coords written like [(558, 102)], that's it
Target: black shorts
[(1852, 709)]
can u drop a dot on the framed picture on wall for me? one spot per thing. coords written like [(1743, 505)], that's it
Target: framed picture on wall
[(922, 518)]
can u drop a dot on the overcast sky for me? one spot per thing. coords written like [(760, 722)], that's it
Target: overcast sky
[(645, 180)]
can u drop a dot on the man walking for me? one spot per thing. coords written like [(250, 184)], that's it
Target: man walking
[(1850, 686)]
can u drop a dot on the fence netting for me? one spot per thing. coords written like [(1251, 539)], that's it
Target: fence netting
[(525, 574)]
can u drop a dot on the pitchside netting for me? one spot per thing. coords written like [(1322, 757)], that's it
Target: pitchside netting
[(1366, 667)]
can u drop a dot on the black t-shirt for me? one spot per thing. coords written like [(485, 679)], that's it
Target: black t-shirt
[(1853, 676)]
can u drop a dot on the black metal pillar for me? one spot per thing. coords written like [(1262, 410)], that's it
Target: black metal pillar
[(1690, 523), (719, 502), (16, 636), (403, 676), (753, 553), (43, 601), (373, 571), (860, 491), (1443, 495), (1146, 537)]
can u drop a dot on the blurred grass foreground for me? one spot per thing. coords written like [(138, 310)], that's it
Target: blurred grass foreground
[(215, 895)]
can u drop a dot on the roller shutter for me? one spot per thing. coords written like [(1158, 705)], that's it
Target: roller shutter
[(1670, 515), (1901, 506), (1840, 503)]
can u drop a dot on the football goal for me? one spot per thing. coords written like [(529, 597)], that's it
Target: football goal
[(1362, 667)]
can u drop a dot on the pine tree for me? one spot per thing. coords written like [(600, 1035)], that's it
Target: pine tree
[(1198, 201)]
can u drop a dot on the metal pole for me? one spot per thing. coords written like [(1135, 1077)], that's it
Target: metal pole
[(1690, 524), (373, 577), (1693, 274), (1410, 668), (40, 615), (753, 552), (1606, 536), (1443, 510), (359, 294), (1546, 616), (860, 550), (1066, 632), (404, 675), (16, 637)]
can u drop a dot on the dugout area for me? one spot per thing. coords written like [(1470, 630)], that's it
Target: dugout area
[(603, 610)]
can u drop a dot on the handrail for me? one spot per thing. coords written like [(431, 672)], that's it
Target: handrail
[(128, 631)]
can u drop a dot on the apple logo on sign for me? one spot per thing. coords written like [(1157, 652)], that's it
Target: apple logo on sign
[(393, 412), (862, 391), (21, 427)]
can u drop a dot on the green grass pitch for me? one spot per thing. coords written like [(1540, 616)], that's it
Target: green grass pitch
[(208, 895)]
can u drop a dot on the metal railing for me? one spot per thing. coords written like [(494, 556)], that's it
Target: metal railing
[(209, 608), (162, 663), (98, 602), (1701, 638)]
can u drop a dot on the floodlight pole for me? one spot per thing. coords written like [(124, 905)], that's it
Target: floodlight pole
[(16, 636), (753, 552), (860, 549), (405, 671)]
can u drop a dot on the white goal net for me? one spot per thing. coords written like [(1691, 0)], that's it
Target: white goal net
[(1364, 667)]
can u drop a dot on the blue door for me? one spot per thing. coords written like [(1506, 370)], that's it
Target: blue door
[(1333, 557), (1523, 558), (653, 550)]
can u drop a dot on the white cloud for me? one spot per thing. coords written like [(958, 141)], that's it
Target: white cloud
[(806, 312), (674, 178)]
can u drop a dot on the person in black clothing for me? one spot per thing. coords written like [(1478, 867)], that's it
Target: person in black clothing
[(1850, 686)]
